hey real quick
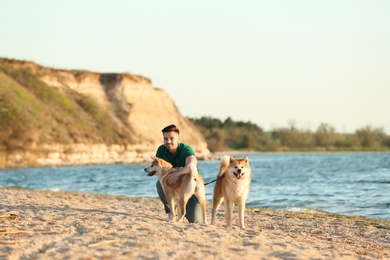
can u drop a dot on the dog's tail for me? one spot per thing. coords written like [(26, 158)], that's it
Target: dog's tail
[(225, 161)]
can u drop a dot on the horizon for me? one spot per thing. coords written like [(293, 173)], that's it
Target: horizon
[(268, 63)]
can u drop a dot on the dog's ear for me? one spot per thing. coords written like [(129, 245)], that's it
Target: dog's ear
[(153, 158), (232, 159), (246, 159)]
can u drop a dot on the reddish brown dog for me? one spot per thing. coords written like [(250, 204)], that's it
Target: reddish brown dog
[(185, 187), (233, 183)]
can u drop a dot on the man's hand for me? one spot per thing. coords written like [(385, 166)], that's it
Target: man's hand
[(172, 178)]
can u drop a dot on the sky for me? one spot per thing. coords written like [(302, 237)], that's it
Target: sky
[(271, 63)]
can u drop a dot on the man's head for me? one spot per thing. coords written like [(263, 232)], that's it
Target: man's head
[(171, 136)]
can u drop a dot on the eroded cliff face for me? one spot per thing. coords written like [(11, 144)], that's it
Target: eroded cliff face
[(130, 100)]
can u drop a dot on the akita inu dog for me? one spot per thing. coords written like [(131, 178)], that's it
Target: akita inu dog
[(186, 186), (233, 183)]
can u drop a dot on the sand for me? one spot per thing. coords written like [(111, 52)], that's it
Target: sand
[(70, 225)]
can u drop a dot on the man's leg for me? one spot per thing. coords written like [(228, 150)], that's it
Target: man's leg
[(194, 210), (162, 196)]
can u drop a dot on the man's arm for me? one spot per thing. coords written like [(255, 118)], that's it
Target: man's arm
[(190, 160)]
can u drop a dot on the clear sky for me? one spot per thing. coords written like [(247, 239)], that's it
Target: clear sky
[(268, 62)]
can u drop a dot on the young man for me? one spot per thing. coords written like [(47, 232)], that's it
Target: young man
[(179, 155)]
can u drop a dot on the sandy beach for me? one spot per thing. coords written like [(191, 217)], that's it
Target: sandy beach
[(69, 225)]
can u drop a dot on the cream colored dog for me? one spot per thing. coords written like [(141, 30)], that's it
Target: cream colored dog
[(182, 191), (233, 183)]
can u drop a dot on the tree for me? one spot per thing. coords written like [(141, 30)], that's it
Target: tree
[(325, 136), (370, 137)]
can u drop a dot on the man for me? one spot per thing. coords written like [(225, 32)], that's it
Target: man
[(179, 155)]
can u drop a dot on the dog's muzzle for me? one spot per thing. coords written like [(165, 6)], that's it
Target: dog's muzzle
[(150, 173), (238, 174)]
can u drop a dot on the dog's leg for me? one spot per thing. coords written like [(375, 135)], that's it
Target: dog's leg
[(183, 200), (229, 212), (186, 191), (217, 200), (241, 208), (241, 213), (171, 202), (182, 208)]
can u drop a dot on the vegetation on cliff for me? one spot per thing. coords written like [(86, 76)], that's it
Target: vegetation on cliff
[(238, 135), (33, 113)]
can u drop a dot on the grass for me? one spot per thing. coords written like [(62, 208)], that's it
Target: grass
[(31, 112)]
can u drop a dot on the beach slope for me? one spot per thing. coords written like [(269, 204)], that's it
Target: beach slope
[(69, 225)]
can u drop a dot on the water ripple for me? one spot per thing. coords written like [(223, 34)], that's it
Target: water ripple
[(350, 184)]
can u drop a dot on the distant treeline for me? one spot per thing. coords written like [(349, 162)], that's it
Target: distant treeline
[(238, 135)]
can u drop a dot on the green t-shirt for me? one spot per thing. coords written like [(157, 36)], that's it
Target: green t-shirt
[(177, 160)]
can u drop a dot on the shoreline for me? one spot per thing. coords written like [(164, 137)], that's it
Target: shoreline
[(294, 152), (145, 158), (74, 225)]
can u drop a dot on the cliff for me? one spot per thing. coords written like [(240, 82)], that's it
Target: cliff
[(57, 117)]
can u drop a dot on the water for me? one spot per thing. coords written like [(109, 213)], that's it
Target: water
[(356, 184)]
